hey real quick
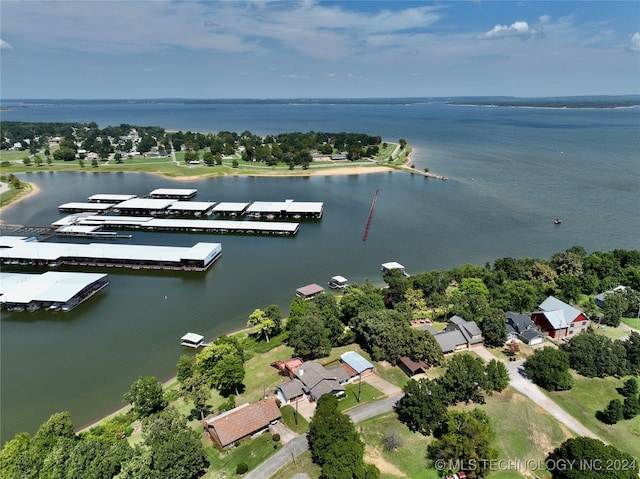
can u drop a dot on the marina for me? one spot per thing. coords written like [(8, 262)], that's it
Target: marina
[(22, 251), (53, 290)]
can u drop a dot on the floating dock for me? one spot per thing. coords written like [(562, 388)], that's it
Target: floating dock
[(182, 225), (22, 251), (53, 290)]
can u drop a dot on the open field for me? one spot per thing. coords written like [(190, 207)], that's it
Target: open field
[(589, 395)]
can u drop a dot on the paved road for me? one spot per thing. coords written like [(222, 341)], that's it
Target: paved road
[(297, 446)]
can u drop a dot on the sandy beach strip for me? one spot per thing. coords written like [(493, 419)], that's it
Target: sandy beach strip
[(34, 189)]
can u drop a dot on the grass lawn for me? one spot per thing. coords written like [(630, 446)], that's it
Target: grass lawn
[(525, 434), (632, 322), (12, 194), (303, 464), (368, 394), (288, 417), (590, 395), (252, 452), (612, 333), (260, 376), (409, 460)]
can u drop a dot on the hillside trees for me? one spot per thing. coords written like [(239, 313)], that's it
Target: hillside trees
[(222, 364)]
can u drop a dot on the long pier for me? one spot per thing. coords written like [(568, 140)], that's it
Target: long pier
[(373, 207)]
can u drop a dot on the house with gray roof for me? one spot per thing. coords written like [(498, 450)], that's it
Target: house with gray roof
[(558, 319), (520, 327), (601, 298), (459, 334), (311, 379)]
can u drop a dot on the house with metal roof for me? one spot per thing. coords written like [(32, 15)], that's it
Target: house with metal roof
[(355, 361), (242, 422), (558, 319)]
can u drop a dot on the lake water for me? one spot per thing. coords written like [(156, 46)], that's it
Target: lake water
[(512, 171)]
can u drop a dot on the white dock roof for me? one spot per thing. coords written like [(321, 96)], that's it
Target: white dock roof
[(109, 197), (191, 205), (173, 192), (286, 206), (86, 206), (54, 286), (230, 206), (54, 251), (145, 204)]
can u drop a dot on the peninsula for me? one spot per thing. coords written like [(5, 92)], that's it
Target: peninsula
[(188, 156)]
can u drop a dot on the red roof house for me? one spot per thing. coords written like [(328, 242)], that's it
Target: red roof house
[(557, 319)]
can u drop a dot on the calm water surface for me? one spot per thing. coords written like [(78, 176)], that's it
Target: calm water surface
[(512, 171)]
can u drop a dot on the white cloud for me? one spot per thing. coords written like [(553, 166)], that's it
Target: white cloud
[(4, 45), (635, 42), (516, 29)]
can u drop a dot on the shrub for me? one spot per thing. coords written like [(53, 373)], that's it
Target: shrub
[(276, 437), (241, 468)]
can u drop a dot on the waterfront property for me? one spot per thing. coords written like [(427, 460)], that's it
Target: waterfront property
[(313, 380), (242, 422), (557, 319), (602, 297), (53, 290), (459, 334), (22, 251)]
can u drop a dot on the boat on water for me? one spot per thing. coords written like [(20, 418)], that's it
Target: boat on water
[(338, 282), (557, 221)]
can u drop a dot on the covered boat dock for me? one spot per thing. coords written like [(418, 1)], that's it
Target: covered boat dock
[(174, 193), (182, 225), (22, 251), (108, 198), (53, 290)]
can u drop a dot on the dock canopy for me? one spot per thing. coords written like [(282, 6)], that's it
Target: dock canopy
[(173, 193), (391, 266), (192, 340), (309, 291), (339, 282)]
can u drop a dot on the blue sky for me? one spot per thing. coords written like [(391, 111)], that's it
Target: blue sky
[(317, 49)]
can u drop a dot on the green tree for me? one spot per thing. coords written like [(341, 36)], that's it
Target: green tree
[(494, 328), (631, 406), (17, 459), (585, 450), (497, 376), (145, 396), (228, 374), (629, 387), (174, 449), (264, 325), (274, 313), (309, 338), (594, 355), (464, 379), (471, 298), (632, 347), (466, 437), (334, 443), (359, 299), (423, 408), (196, 390), (186, 367), (549, 369)]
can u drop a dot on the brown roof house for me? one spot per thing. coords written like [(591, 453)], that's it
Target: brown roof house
[(242, 422)]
